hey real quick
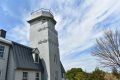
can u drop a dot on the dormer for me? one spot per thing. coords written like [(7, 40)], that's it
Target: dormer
[(35, 54)]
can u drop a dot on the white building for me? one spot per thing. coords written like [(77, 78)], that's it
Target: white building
[(40, 61)]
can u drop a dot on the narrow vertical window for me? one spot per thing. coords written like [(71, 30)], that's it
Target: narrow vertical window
[(37, 77), (55, 59), (1, 50), (36, 58), (25, 75), (35, 54)]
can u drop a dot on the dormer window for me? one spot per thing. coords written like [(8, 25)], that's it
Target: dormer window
[(1, 50), (36, 58), (35, 53)]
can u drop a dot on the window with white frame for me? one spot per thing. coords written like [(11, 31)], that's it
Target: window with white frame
[(25, 76), (37, 77), (2, 50)]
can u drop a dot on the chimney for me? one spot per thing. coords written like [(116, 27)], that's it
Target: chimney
[(2, 33)]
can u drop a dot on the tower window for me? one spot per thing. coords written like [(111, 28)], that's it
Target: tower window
[(37, 76), (36, 58), (55, 59), (25, 76), (1, 50), (43, 20)]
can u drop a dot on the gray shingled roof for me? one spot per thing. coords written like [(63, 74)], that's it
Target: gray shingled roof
[(23, 58)]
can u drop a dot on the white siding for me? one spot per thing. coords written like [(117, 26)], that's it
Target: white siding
[(3, 62), (31, 74), (11, 67)]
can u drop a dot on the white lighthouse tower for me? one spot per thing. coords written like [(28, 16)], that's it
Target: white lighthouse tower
[(44, 37)]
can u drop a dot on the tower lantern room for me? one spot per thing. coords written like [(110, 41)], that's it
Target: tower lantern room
[(41, 14)]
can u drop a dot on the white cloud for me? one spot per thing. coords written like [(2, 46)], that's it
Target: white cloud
[(20, 34), (80, 32), (86, 62)]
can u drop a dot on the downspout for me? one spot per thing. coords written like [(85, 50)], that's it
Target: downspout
[(7, 64)]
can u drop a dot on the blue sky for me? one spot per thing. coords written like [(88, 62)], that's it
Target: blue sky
[(79, 23)]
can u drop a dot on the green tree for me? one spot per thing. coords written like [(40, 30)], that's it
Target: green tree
[(97, 74), (76, 74), (80, 76)]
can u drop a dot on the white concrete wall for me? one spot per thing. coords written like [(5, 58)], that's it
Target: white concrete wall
[(47, 49), (31, 74), (35, 37), (54, 52)]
